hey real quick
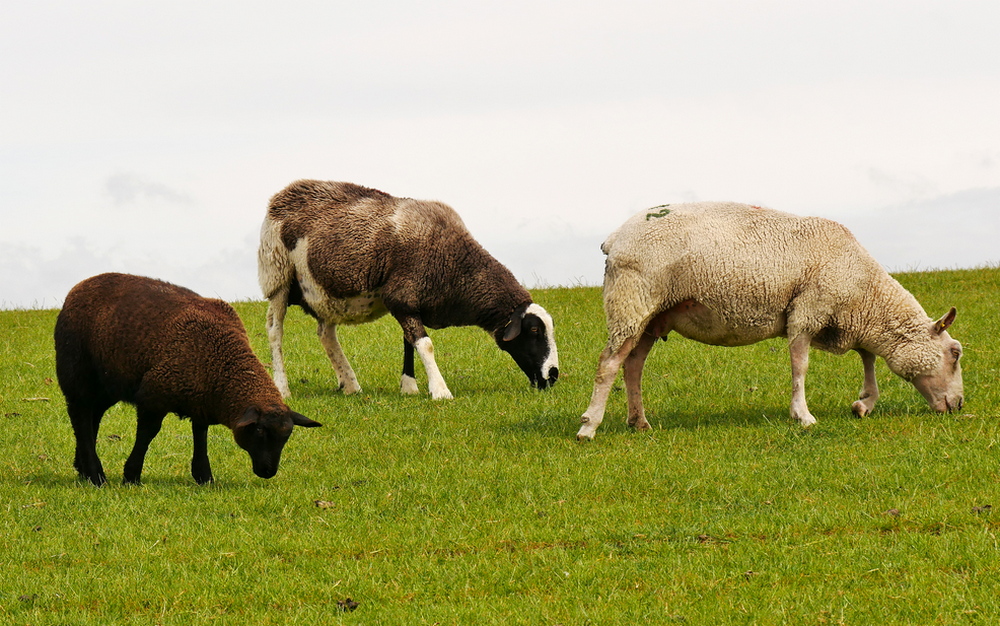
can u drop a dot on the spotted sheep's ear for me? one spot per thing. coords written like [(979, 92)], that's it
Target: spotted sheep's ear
[(946, 320), (513, 328)]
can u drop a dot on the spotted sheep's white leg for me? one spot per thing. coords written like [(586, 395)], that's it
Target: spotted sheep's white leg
[(345, 374), (408, 381), (798, 349), (435, 382), (408, 385)]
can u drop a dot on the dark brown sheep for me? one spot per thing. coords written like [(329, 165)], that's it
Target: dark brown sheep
[(164, 349), (349, 254)]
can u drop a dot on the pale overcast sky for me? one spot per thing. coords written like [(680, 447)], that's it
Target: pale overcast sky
[(147, 137)]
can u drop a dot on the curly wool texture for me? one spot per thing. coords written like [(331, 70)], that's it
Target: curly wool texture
[(158, 345), (417, 253), (762, 274)]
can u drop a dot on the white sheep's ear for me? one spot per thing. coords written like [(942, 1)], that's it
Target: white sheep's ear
[(946, 320), (513, 328)]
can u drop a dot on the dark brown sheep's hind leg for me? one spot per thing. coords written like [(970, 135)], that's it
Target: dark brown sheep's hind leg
[(86, 421), (149, 423)]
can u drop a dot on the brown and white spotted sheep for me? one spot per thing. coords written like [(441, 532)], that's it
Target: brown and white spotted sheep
[(349, 254)]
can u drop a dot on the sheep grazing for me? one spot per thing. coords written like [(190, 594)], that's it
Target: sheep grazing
[(348, 255), (731, 274), (164, 349)]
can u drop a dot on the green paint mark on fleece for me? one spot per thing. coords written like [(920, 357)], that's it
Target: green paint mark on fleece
[(663, 211)]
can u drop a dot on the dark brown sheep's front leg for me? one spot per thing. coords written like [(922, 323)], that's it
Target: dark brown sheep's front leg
[(149, 423), (200, 468)]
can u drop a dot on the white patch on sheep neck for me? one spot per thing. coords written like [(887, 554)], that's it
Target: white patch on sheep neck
[(360, 309), (552, 360)]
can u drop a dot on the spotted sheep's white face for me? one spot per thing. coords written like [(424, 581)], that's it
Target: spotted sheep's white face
[(941, 385), (529, 338)]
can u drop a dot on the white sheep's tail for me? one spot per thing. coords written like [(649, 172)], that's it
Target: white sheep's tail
[(627, 306), (274, 266)]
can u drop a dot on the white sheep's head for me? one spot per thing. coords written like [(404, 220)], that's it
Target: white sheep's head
[(941, 382)]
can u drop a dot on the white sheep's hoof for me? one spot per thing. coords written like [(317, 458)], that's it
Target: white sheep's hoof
[(860, 409), (807, 420), (586, 432), (408, 386), (350, 388)]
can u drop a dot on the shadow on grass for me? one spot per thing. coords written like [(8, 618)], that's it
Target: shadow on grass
[(562, 425), (69, 478)]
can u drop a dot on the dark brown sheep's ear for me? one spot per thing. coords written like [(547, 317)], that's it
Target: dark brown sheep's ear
[(250, 416), (301, 420), (513, 328), (946, 320)]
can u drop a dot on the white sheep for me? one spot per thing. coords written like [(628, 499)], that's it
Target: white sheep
[(731, 274), (349, 254)]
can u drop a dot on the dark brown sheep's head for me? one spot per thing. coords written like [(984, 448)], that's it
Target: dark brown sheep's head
[(262, 432)]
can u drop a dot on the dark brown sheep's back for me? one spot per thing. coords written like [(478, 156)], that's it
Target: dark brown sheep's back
[(148, 341)]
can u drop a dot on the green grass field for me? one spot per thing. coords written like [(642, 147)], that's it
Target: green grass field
[(486, 510)]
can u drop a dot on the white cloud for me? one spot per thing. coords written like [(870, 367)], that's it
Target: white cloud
[(127, 189), (148, 137)]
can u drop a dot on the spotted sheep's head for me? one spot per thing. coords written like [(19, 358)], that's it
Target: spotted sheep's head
[(263, 431), (529, 338), (935, 368)]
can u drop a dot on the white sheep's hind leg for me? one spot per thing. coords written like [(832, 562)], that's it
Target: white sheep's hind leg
[(798, 348), (869, 393), (435, 382), (633, 381), (345, 374), (275, 332), (607, 370)]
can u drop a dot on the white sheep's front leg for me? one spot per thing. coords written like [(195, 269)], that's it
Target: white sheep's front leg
[(345, 374), (435, 382), (275, 331), (798, 348), (607, 370), (869, 393)]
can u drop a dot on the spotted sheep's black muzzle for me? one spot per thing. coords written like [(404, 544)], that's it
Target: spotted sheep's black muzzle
[(540, 381)]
